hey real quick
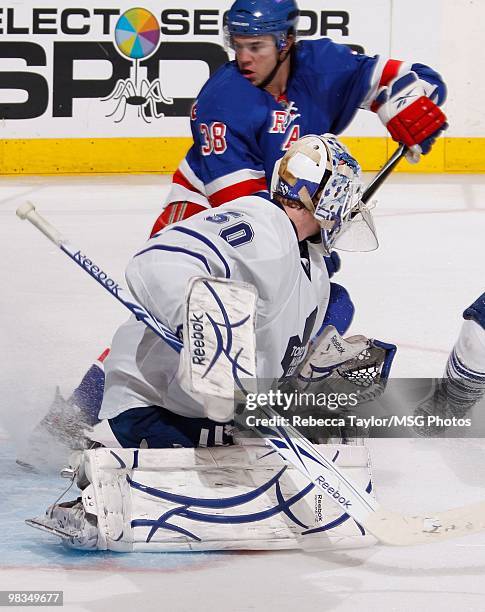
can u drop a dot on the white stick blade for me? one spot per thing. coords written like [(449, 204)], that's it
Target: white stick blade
[(398, 530)]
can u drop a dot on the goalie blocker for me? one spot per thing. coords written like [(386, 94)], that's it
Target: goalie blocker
[(225, 498)]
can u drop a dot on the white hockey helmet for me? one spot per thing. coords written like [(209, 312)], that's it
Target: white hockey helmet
[(320, 173)]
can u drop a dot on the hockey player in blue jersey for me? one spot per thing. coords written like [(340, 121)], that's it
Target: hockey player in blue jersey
[(277, 90)]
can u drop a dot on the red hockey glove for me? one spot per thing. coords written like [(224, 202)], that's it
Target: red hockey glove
[(407, 110)]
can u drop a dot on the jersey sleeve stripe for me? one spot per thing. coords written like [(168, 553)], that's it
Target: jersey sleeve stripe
[(189, 175), (238, 190), (389, 73), (207, 242), (180, 179), (374, 84), (178, 193), (233, 178), (384, 72), (173, 249)]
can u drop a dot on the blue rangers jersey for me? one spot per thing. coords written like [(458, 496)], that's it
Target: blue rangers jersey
[(250, 240), (240, 130)]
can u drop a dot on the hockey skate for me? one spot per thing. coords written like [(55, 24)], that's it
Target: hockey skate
[(71, 522)]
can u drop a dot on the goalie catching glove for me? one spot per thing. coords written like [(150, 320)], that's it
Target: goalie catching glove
[(357, 360), (407, 107)]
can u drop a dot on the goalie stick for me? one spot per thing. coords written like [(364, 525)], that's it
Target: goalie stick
[(389, 527)]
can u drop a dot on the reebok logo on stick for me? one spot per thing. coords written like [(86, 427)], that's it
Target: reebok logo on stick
[(98, 274)]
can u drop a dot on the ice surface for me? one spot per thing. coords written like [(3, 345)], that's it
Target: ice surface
[(55, 321)]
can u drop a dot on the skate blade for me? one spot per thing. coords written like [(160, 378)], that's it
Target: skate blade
[(46, 524)]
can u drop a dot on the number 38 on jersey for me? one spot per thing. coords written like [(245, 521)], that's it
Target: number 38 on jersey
[(213, 138)]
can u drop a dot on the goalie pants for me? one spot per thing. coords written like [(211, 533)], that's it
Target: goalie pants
[(161, 428)]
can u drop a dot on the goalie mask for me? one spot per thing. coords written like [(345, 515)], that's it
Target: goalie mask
[(320, 174)]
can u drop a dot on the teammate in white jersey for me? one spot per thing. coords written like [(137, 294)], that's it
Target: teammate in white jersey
[(277, 247)]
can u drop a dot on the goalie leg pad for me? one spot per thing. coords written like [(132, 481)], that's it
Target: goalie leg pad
[(234, 498)]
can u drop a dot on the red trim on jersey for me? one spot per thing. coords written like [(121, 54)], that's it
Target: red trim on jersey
[(244, 188), (176, 211), (103, 355), (282, 98), (181, 179), (390, 72)]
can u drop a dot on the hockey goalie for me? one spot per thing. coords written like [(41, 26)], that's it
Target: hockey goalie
[(247, 290)]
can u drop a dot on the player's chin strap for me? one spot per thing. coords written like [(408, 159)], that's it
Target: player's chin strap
[(273, 73)]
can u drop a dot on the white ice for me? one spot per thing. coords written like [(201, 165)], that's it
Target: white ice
[(55, 321)]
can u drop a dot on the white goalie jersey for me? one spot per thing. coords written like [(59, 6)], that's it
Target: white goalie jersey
[(250, 240)]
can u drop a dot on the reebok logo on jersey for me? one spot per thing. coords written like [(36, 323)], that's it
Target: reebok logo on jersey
[(337, 344), (97, 273), (197, 339)]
